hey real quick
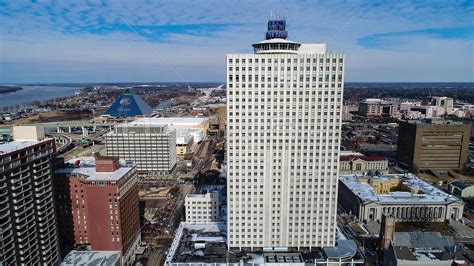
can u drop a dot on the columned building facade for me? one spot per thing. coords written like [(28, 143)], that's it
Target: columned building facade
[(405, 197)]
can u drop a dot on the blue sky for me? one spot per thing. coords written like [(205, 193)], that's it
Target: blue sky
[(145, 40)]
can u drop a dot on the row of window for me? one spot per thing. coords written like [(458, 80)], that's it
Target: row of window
[(282, 60), (288, 68)]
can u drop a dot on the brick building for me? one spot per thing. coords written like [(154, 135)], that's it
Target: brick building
[(97, 204)]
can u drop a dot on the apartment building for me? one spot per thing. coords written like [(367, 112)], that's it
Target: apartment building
[(28, 227)]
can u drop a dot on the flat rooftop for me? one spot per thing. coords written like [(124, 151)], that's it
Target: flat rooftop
[(366, 192), (102, 258), (207, 243), (172, 121), (86, 166), (363, 157), (434, 122), (200, 243), (18, 145)]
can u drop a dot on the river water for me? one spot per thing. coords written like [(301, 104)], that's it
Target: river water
[(35, 93)]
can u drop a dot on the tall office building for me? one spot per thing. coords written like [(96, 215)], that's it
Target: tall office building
[(284, 119), (28, 231)]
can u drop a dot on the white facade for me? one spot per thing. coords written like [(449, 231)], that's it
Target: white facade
[(151, 147), (202, 208), (284, 119), (184, 126)]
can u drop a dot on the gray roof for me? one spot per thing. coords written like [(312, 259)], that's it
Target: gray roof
[(343, 249), (102, 258), (404, 253), (422, 240)]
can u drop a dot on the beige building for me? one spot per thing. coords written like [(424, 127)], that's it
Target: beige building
[(202, 208), (405, 197), (222, 116), (28, 132), (184, 145), (355, 164)]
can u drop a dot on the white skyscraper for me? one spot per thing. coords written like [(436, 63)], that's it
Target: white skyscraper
[(284, 119)]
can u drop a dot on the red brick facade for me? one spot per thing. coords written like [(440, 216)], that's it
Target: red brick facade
[(102, 213)]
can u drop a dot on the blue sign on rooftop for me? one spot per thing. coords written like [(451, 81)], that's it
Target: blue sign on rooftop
[(277, 29)]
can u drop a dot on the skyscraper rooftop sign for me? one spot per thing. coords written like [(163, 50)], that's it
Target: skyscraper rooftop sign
[(277, 29)]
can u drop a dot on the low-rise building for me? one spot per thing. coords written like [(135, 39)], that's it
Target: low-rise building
[(406, 197), (97, 204), (206, 245), (102, 258), (184, 145), (422, 248), (461, 189), (356, 164), (202, 208)]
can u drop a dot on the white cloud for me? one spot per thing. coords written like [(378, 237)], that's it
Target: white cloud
[(91, 35)]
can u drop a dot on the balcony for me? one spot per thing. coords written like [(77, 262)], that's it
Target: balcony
[(46, 168), (20, 172), (21, 219), (41, 163), (3, 201), (5, 229), (19, 210), (21, 195), (18, 182), (46, 212), (42, 184), (43, 192)]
